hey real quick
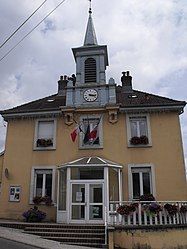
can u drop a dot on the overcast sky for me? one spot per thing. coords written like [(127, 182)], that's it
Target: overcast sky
[(146, 37)]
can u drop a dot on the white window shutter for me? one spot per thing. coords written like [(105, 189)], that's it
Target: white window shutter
[(45, 129)]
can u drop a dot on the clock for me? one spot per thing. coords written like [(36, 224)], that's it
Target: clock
[(90, 95)]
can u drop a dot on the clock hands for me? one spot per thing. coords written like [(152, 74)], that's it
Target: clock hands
[(92, 94)]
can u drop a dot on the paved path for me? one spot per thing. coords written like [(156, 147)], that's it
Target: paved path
[(9, 244), (32, 240)]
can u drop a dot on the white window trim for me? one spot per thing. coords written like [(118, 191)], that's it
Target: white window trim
[(130, 184), (32, 182), (81, 135), (36, 134), (128, 116)]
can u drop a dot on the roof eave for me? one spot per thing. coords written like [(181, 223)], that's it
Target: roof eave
[(176, 108), (32, 113)]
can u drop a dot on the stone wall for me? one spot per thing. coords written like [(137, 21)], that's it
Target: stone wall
[(149, 238)]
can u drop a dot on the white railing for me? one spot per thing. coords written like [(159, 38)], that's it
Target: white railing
[(106, 227), (141, 213)]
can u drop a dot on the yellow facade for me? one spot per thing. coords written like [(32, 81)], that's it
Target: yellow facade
[(165, 154), (1, 165)]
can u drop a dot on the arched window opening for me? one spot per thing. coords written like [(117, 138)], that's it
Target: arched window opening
[(90, 70)]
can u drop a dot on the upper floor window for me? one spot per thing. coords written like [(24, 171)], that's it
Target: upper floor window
[(90, 70), (138, 130), (91, 135), (45, 134)]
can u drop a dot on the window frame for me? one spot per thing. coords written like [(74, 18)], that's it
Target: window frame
[(100, 126), (128, 125), (36, 134), (152, 178), (33, 181)]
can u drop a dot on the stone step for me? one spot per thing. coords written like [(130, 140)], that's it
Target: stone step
[(72, 234), (66, 234), (63, 230), (101, 246), (23, 225), (76, 240)]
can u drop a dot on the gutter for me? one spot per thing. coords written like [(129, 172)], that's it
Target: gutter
[(153, 108)]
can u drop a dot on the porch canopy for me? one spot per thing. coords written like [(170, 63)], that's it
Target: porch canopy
[(94, 177), (91, 162)]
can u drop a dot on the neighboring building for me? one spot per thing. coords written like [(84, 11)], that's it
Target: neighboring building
[(127, 144)]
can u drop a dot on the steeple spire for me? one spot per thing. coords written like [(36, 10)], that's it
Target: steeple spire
[(90, 37)]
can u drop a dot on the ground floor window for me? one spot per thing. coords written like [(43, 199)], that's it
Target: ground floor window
[(62, 189), (43, 183), (141, 182)]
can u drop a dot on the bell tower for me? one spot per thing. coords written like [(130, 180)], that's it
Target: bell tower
[(91, 60)]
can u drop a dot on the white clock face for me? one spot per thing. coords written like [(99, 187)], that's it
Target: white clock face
[(90, 95)]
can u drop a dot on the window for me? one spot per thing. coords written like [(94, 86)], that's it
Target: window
[(45, 134), (90, 70), (138, 131), (87, 173), (141, 181), (138, 126), (62, 189), (42, 182), (91, 134)]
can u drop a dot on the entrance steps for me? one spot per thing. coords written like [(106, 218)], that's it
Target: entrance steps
[(73, 234), (82, 235)]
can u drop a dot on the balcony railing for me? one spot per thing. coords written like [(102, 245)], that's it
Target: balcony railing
[(147, 213)]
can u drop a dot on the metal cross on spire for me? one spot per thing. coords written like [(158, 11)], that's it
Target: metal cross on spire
[(90, 9)]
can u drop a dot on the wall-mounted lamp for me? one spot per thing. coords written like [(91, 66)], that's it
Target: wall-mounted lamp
[(6, 173)]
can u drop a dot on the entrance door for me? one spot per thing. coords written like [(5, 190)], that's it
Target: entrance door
[(86, 203)]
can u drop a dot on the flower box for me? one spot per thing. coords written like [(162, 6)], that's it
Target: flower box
[(171, 209), (44, 142), (42, 200), (142, 140), (127, 209)]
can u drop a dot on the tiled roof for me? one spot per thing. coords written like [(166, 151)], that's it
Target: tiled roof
[(124, 99), (49, 103), (143, 99)]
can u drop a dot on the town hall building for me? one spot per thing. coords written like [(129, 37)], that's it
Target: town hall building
[(92, 146)]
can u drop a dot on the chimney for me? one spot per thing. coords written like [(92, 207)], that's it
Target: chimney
[(62, 83), (126, 80)]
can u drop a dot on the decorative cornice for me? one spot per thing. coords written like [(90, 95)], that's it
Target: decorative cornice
[(24, 115)]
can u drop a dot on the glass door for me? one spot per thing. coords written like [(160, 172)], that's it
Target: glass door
[(95, 202), (78, 204), (87, 203)]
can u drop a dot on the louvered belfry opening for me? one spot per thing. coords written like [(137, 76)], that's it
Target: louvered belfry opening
[(90, 70)]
